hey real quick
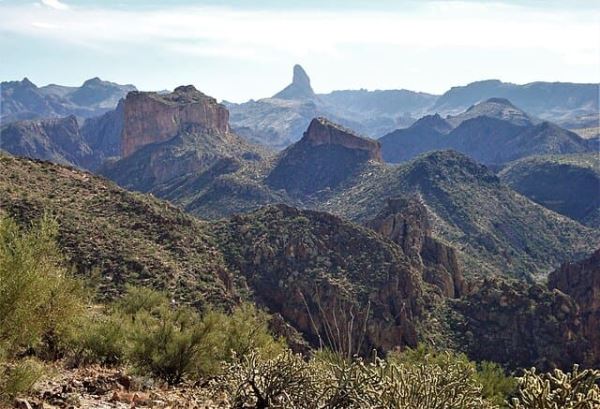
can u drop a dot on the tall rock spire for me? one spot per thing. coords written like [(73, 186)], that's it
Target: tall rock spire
[(299, 88)]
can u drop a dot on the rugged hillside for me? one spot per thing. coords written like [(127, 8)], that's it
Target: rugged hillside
[(57, 140), (318, 270), (581, 280), (24, 100), (115, 237), (492, 132), (520, 325), (567, 184), (553, 101), (168, 136), (496, 229), (321, 273), (407, 223), (326, 155)]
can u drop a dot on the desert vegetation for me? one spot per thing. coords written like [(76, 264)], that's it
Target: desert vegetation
[(48, 319)]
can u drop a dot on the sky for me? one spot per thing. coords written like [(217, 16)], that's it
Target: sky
[(238, 50)]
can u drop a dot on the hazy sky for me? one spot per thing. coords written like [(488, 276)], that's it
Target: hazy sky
[(237, 50)]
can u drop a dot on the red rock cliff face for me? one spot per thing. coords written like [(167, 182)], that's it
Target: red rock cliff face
[(324, 132), (581, 281), (151, 118)]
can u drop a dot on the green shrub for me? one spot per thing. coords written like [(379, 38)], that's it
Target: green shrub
[(557, 389), (496, 385), (19, 378), (39, 301), (173, 342), (99, 338)]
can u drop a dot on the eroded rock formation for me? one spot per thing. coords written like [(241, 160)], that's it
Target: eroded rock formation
[(581, 280), (326, 155), (152, 118), (407, 223)]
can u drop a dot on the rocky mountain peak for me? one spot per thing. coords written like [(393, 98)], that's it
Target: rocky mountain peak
[(300, 77), (92, 82), (151, 118), (300, 87), (326, 155), (497, 108), (322, 131), (434, 122), (406, 221)]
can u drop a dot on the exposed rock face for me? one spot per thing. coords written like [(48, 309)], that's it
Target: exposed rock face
[(327, 155), (581, 281), (324, 132), (55, 139), (316, 270), (520, 324), (407, 223), (299, 88), (153, 118)]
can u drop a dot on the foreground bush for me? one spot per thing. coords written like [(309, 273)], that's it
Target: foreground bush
[(39, 301), (18, 377), (557, 389)]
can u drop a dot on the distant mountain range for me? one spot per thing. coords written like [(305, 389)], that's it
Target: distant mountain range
[(279, 121), (24, 100), (492, 132)]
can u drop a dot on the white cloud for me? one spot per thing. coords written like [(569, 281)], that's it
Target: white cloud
[(55, 4)]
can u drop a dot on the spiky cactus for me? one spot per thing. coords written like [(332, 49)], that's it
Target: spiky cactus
[(558, 390)]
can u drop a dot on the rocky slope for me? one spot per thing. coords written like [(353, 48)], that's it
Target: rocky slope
[(316, 270), (492, 132), (581, 280), (496, 229), (326, 155), (407, 223), (24, 100), (114, 237), (567, 184), (58, 140), (520, 325)]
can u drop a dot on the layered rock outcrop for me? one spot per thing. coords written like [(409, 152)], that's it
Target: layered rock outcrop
[(326, 155), (520, 325), (581, 280), (407, 223), (152, 118)]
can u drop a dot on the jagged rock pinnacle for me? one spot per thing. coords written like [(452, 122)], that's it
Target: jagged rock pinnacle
[(299, 88)]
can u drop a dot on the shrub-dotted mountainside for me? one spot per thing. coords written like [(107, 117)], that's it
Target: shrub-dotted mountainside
[(567, 184), (316, 270), (114, 236), (497, 229)]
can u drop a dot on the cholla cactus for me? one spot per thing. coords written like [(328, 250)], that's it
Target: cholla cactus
[(287, 381), (558, 390)]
